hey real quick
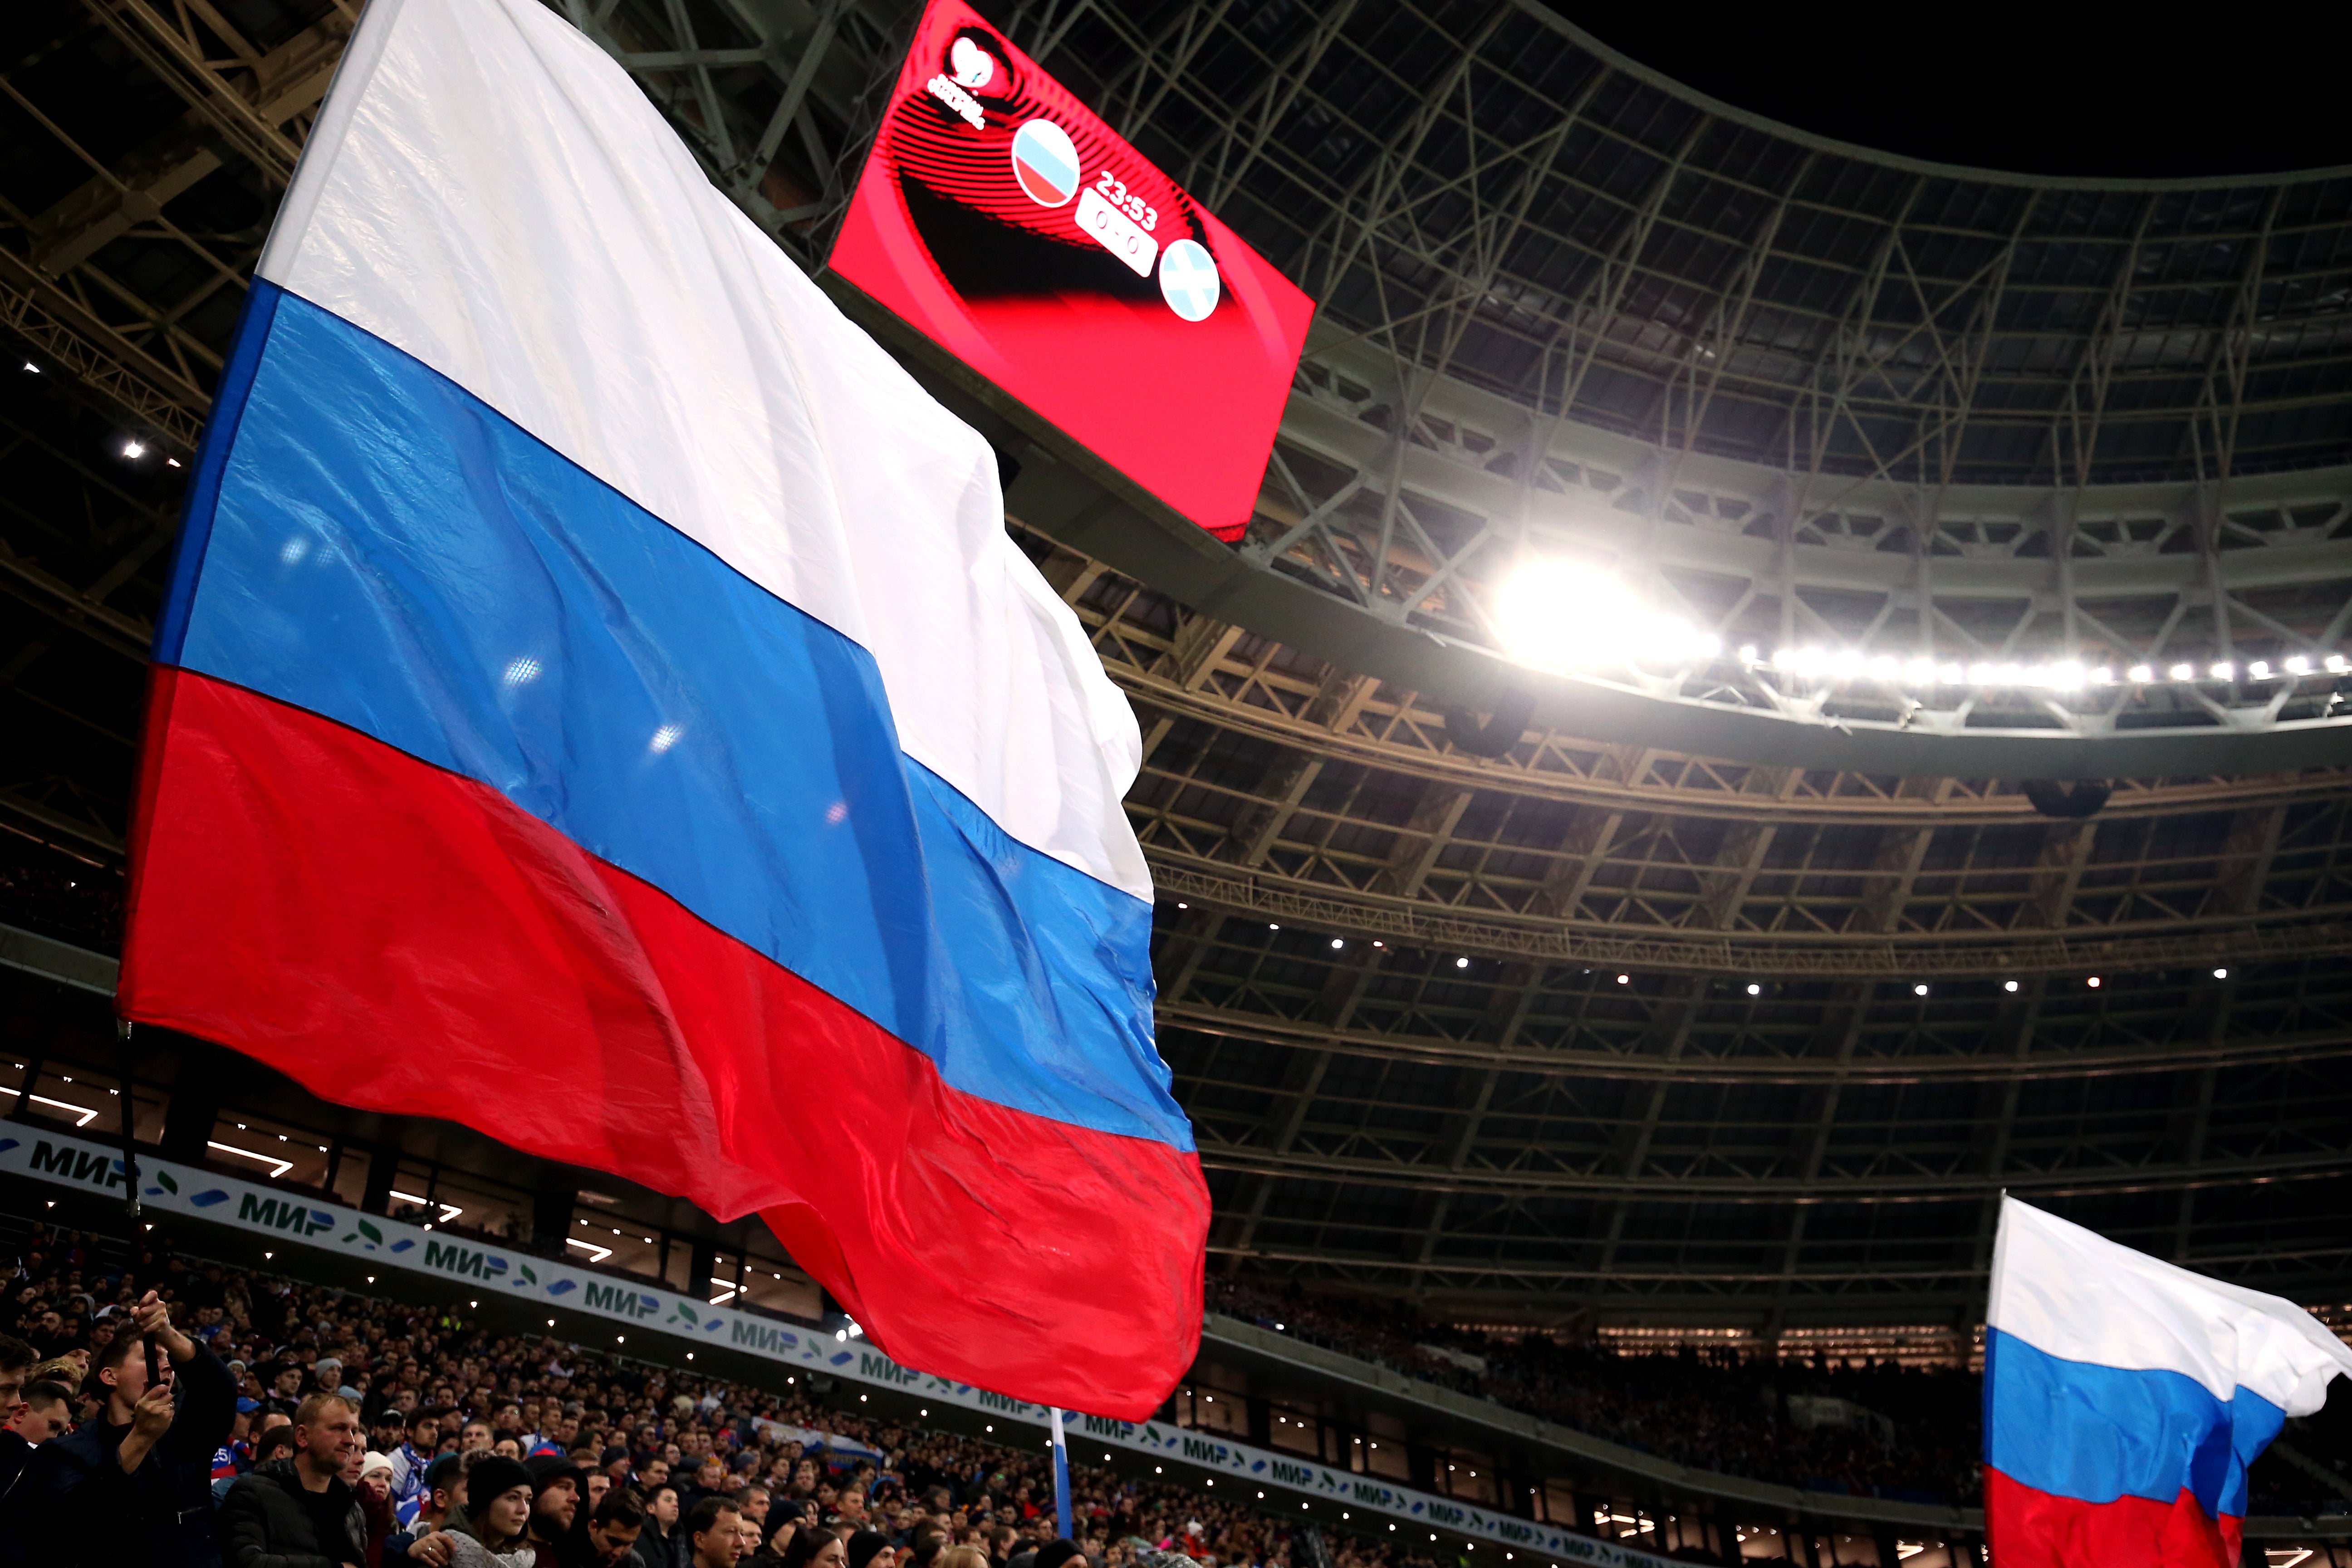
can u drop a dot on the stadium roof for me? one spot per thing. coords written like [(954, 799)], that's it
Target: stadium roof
[(1804, 391)]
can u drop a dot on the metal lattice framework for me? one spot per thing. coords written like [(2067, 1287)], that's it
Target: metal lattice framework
[(1607, 1028), (1804, 391), (1797, 392), (1794, 391)]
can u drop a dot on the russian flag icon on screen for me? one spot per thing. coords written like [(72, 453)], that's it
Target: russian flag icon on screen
[(1045, 163)]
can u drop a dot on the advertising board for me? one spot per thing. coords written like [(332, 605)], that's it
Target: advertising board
[(457, 1265)]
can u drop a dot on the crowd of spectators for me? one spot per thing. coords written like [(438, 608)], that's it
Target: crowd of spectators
[(1909, 1434), (343, 1417), (317, 1426), (64, 899), (1915, 1434)]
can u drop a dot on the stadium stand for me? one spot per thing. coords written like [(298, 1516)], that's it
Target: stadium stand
[(517, 1396), (1508, 1067), (1717, 1411)]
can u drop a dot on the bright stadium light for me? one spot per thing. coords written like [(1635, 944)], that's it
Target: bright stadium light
[(2140, 673), (1562, 614)]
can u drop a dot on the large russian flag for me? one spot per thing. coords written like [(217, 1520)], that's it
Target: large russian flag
[(597, 702), (2125, 1399)]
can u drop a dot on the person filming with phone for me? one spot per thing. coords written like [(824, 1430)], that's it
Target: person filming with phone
[(135, 1485)]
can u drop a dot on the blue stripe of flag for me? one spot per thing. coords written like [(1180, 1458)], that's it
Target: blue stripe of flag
[(2099, 1433), (390, 552)]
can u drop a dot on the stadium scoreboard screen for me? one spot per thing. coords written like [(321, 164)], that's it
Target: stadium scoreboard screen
[(1001, 220)]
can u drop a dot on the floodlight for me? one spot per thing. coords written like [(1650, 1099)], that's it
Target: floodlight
[(1560, 614)]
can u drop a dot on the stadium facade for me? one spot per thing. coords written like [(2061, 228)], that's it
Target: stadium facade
[(1722, 999)]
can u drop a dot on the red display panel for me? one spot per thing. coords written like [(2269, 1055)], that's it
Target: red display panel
[(1007, 224)]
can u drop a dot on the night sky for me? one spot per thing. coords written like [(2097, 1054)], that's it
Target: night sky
[(2115, 91)]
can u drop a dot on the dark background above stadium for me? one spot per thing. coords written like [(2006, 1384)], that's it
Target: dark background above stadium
[(2066, 89)]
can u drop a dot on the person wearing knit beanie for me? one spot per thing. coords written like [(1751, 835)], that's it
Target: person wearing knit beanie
[(869, 1549)]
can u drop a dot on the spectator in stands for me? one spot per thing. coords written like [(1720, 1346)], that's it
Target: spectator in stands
[(50, 1336), (703, 1481), (45, 1411), (373, 1489), (414, 1453), (16, 1360), (614, 1530), (815, 1547), (783, 1522), (869, 1549), (656, 1547), (712, 1533), (234, 1457), (300, 1510), (489, 1532), (925, 1541), (443, 1495), (134, 1484), (555, 1508)]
